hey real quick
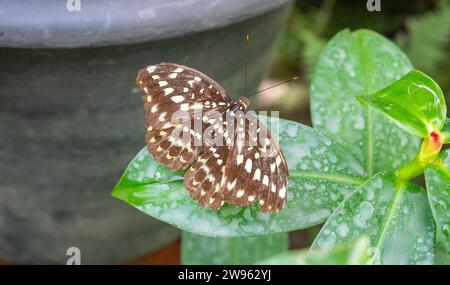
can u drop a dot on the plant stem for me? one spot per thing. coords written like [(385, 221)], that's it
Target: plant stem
[(429, 151), (411, 170)]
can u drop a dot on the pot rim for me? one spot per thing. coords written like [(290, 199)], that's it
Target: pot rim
[(58, 24)]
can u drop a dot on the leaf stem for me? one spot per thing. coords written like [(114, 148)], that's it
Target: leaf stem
[(429, 152), (411, 170)]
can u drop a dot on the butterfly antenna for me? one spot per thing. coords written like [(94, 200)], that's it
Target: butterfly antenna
[(247, 39), (270, 87)]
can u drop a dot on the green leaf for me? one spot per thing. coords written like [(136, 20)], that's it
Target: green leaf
[(437, 176), (415, 103), (322, 173), (445, 132), (353, 64), (441, 255), (197, 249), (395, 216), (291, 257), (354, 253)]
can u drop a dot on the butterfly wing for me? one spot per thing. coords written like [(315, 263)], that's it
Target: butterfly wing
[(252, 168), (204, 177), (174, 96), (238, 174), (256, 168)]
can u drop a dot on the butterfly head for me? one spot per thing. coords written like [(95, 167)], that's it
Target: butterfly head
[(240, 105), (244, 102)]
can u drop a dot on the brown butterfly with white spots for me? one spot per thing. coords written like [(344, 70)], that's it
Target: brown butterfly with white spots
[(237, 171)]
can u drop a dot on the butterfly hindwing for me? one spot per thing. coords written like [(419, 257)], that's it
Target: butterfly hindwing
[(203, 178), (168, 148), (257, 170)]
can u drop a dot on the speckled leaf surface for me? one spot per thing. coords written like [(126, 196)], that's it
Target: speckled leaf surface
[(322, 173), (361, 63), (437, 177), (441, 255), (197, 249), (395, 216), (353, 253)]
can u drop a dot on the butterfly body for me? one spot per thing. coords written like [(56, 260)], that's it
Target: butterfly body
[(240, 105), (193, 124)]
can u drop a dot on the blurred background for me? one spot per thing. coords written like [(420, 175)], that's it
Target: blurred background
[(421, 28), (278, 49)]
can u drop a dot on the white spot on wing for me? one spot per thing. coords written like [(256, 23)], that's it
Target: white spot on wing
[(197, 106), (184, 107), (239, 159), (161, 117), (231, 185), (151, 68), (273, 188), (177, 99), (282, 192), (278, 160), (257, 175), (266, 180), (168, 90), (248, 165)]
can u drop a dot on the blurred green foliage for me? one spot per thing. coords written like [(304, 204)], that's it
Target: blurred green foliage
[(426, 42), (420, 27), (353, 253)]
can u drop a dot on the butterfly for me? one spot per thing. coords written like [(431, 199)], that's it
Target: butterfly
[(240, 163)]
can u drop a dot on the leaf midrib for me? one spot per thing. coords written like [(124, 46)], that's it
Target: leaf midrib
[(390, 215), (118, 190), (335, 177), (367, 86)]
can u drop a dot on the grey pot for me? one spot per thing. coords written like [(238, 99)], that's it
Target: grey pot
[(71, 119)]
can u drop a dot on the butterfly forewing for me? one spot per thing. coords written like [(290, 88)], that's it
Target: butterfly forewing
[(171, 88), (175, 94)]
